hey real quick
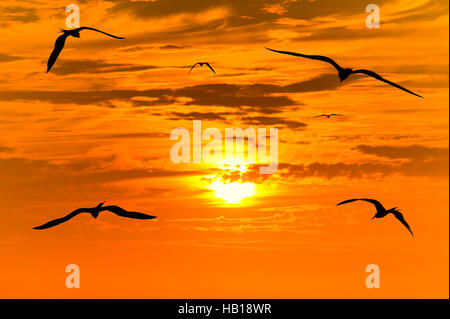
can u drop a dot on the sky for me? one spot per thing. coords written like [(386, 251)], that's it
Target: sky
[(97, 128)]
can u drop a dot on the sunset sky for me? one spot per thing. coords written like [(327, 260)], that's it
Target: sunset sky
[(97, 128)]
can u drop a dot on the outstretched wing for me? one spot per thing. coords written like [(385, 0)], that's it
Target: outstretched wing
[(124, 213), (92, 29), (400, 217), (312, 57), (192, 67), (320, 115), (336, 114), (59, 46), (209, 66), (372, 201), (380, 78), (58, 221)]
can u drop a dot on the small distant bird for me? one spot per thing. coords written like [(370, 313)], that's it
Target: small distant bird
[(328, 115), (202, 64), (95, 211), (344, 73), (61, 40), (381, 211)]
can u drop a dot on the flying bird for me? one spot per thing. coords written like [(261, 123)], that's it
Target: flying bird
[(202, 64), (344, 73), (95, 211), (381, 211), (61, 40), (328, 115)]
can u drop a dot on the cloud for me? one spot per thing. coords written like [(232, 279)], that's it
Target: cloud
[(146, 47), (36, 180), (413, 152), (419, 161), (110, 136), (258, 97), (78, 170), (258, 10), (191, 116), (9, 58), (435, 168), (10, 14), (295, 221), (276, 8), (344, 33), (273, 121), (383, 137), (427, 11), (4, 149), (66, 67), (252, 18), (163, 8), (420, 69), (174, 47)]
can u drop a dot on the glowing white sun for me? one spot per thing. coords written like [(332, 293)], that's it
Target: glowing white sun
[(233, 192)]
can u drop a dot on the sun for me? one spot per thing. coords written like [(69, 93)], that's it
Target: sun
[(233, 193)]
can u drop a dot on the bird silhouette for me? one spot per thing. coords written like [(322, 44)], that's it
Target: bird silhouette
[(202, 64), (328, 115), (95, 211), (344, 73), (381, 211), (61, 40)]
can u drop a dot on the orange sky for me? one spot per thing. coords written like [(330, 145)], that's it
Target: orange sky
[(97, 127)]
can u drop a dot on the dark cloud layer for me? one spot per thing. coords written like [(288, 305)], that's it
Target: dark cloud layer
[(9, 58), (413, 152), (248, 120), (212, 116), (29, 179), (259, 97), (4, 149), (423, 162), (248, 8), (273, 121), (10, 14), (66, 67)]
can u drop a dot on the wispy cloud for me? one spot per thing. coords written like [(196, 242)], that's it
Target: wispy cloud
[(9, 58), (10, 14), (68, 67)]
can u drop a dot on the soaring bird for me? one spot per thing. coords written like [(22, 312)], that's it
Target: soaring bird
[(202, 64), (344, 73), (328, 115), (61, 40), (95, 211), (381, 211)]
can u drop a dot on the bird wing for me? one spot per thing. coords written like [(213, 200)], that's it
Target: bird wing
[(58, 221), (380, 78), (336, 114), (400, 217), (320, 115), (373, 201), (312, 57), (59, 46), (192, 67), (209, 66), (92, 29), (124, 213)]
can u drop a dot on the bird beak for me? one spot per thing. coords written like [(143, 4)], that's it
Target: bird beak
[(373, 217)]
